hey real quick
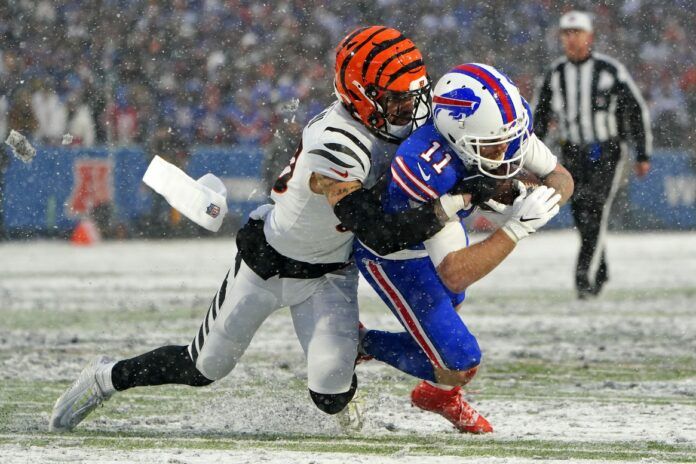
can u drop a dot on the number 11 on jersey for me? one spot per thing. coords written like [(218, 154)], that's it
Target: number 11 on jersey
[(427, 155)]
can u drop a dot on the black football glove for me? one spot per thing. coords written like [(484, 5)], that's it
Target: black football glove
[(480, 187)]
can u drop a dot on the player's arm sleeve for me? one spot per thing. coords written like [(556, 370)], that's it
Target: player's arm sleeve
[(543, 163), (542, 106), (361, 212), (632, 108), (539, 160), (451, 238)]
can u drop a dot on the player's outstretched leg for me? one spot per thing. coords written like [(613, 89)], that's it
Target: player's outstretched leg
[(449, 403), (102, 378), (91, 389), (399, 350)]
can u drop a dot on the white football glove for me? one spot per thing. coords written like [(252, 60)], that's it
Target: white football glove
[(530, 212), (498, 213)]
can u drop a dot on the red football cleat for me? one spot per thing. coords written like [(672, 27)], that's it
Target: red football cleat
[(450, 404)]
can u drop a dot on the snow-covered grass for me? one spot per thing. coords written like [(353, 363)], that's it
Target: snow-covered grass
[(613, 379)]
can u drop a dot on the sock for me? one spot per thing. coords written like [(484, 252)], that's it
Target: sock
[(104, 378), (400, 351), (441, 386), (164, 365)]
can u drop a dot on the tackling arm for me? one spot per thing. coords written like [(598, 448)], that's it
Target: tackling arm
[(360, 211)]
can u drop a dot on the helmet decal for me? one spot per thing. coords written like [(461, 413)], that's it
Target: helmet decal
[(460, 103), (490, 81), (484, 119)]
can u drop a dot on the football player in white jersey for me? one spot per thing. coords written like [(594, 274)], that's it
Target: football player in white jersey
[(296, 253)]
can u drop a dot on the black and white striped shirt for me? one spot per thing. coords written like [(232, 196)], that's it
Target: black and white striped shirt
[(593, 101)]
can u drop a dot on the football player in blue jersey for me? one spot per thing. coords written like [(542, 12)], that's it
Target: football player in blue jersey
[(480, 130)]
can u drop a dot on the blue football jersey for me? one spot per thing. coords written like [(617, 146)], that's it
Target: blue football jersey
[(423, 168)]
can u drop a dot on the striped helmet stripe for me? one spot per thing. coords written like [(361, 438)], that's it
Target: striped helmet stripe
[(345, 63), (353, 35), (389, 60), (379, 48), (502, 97), (411, 67)]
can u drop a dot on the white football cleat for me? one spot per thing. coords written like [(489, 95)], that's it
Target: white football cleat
[(83, 396), (350, 420)]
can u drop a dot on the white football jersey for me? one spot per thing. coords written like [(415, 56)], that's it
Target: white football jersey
[(302, 225), (539, 160)]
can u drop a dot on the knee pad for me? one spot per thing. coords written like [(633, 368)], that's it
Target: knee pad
[(333, 403)]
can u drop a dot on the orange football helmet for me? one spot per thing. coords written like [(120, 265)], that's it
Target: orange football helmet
[(381, 79)]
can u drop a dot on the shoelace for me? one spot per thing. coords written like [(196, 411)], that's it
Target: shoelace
[(465, 413), (469, 414)]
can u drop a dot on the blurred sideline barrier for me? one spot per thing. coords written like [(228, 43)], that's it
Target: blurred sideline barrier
[(64, 185), (665, 199)]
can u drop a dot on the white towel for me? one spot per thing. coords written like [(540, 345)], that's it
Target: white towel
[(203, 201)]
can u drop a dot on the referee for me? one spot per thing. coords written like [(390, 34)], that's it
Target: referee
[(596, 106)]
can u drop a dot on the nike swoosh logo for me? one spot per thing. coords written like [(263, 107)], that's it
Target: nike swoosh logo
[(528, 219), (423, 173), (343, 174)]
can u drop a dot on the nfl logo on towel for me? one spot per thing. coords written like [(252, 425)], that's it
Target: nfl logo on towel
[(212, 210)]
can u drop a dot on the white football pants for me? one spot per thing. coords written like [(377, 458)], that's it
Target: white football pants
[(324, 313)]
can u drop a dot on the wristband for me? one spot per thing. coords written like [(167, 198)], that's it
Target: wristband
[(514, 230), (452, 204)]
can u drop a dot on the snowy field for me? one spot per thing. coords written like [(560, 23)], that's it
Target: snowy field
[(613, 379)]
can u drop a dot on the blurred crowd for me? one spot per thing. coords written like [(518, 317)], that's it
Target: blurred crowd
[(234, 71)]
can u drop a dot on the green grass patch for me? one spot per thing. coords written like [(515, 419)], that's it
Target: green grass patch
[(388, 444)]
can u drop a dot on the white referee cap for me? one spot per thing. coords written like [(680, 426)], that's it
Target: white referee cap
[(576, 20)]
